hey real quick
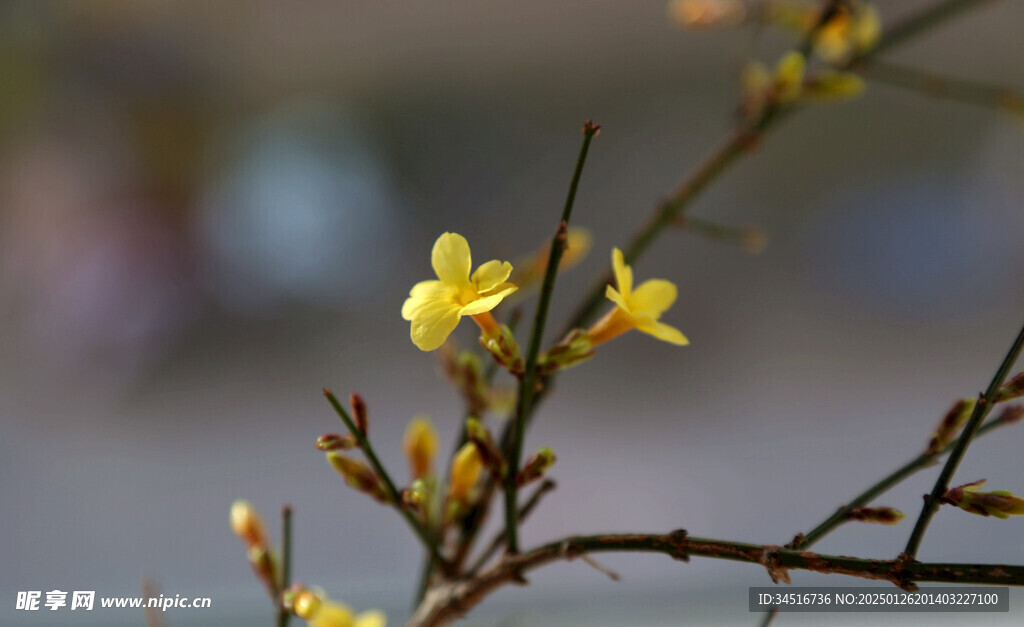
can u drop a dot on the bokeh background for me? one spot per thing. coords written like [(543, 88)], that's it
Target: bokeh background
[(212, 210)]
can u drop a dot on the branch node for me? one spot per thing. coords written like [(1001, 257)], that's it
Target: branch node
[(770, 560), (678, 539)]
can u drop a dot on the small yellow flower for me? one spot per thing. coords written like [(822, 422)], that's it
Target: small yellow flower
[(466, 468), (420, 446), (636, 309), (333, 614), (789, 76), (434, 307)]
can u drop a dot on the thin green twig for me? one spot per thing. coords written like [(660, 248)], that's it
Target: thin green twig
[(915, 465), (527, 387), (981, 410), (283, 615), (393, 495), (947, 87)]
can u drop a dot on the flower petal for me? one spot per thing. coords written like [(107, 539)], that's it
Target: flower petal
[(661, 331), (432, 323), (623, 273), (653, 297), (613, 295), (371, 618), (451, 259), (491, 275), (332, 614), (424, 293), (487, 303)]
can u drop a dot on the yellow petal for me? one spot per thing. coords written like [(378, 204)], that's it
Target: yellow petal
[(371, 618), (333, 614), (451, 259), (652, 297), (491, 275), (623, 273), (661, 331), (432, 323), (487, 303), (613, 295), (424, 293)]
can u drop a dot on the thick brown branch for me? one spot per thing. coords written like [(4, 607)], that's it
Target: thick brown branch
[(451, 600)]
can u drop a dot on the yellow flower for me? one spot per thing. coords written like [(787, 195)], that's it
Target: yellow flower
[(636, 309), (333, 614), (420, 446), (435, 307)]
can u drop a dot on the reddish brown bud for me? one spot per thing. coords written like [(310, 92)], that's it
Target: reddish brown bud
[(359, 415), (1011, 414), (950, 425), (880, 515), (335, 442), (1014, 388)]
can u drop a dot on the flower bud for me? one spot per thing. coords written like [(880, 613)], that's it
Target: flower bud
[(247, 524), (998, 503), (574, 349), (880, 515), (833, 86), (306, 604), (951, 425), (1014, 388), (536, 466), (336, 442), (489, 453), (358, 475), (416, 494), (789, 76), (420, 446), (502, 345), (359, 415), (466, 467), (1011, 414)]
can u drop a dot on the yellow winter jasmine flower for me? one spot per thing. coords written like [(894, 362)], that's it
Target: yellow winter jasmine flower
[(636, 309), (466, 467), (332, 614), (434, 307), (853, 30)]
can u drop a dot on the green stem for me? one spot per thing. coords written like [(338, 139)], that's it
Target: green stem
[(884, 485), (393, 495), (981, 409), (947, 87), (528, 384), (283, 615)]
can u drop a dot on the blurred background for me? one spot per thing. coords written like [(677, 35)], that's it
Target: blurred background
[(212, 211)]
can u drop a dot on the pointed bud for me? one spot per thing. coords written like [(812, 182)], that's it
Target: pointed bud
[(789, 76), (489, 453), (574, 349), (1014, 388), (536, 466), (420, 446), (998, 503), (502, 345), (359, 415), (358, 475), (880, 515), (466, 467), (951, 425), (247, 524), (336, 442)]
